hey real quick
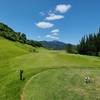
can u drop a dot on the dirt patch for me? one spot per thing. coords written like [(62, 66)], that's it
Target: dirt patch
[(22, 97)]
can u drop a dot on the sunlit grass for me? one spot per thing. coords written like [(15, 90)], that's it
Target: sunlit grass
[(15, 56), (63, 84)]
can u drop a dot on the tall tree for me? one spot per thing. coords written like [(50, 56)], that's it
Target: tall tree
[(69, 48)]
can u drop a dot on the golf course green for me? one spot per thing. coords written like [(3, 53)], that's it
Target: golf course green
[(47, 74)]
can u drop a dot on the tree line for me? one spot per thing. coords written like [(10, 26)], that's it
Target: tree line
[(90, 45), (8, 33)]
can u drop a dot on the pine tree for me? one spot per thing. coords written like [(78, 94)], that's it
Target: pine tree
[(90, 45)]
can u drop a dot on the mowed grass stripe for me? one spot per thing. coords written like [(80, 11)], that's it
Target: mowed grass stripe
[(51, 59)]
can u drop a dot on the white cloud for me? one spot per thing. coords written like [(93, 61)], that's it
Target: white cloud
[(62, 8), (48, 36), (50, 12), (55, 31), (55, 34), (39, 36), (54, 17), (57, 38), (52, 37), (44, 24), (42, 13)]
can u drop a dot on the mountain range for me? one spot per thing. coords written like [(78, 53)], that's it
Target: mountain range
[(53, 45)]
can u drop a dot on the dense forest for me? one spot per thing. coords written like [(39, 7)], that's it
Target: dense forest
[(90, 45), (10, 34)]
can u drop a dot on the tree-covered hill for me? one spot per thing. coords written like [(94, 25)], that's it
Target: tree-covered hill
[(54, 45), (57, 45), (10, 34)]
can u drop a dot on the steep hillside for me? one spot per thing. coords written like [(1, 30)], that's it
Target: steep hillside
[(10, 49), (10, 34), (8, 75)]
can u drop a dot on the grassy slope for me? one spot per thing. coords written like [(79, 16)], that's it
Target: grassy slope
[(8, 51), (16, 56)]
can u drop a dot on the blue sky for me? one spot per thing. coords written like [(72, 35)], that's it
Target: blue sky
[(63, 20)]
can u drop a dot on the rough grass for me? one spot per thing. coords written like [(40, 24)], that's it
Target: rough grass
[(15, 56)]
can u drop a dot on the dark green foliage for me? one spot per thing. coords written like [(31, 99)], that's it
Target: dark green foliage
[(90, 45), (69, 48), (8, 33)]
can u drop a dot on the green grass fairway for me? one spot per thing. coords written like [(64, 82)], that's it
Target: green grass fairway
[(48, 74), (63, 84)]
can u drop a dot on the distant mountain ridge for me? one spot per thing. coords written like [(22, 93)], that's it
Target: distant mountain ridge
[(53, 45)]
